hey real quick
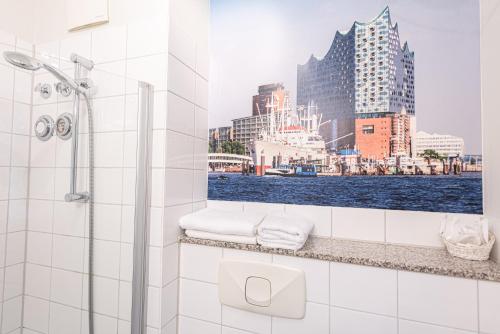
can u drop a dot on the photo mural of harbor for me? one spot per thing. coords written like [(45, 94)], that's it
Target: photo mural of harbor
[(388, 117)]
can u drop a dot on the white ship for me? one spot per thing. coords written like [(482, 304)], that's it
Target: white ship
[(290, 137)]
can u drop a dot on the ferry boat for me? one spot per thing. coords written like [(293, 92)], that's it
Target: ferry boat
[(293, 171)]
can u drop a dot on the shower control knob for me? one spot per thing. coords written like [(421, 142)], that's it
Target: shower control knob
[(63, 88), (44, 89), (44, 127), (64, 125)]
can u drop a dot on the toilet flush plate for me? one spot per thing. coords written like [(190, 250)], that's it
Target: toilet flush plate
[(263, 288)]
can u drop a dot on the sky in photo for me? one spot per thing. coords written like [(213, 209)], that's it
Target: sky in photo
[(261, 41)]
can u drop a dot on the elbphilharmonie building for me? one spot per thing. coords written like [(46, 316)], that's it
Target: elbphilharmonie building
[(366, 74)]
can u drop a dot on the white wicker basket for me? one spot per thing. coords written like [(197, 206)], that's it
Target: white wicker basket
[(471, 252)]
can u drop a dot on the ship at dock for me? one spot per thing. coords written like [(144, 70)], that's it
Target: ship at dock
[(289, 143)]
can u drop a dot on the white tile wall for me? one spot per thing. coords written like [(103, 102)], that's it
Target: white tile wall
[(341, 299)]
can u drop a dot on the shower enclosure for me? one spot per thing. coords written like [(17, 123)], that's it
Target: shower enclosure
[(75, 194)]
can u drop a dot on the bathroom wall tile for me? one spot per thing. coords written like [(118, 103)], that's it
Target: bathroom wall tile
[(21, 119), (130, 149), (181, 79), (158, 148), (313, 322), (69, 219), (360, 224), (17, 215), (15, 248), (12, 313), (201, 96), (156, 29), (127, 223), (364, 288), (79, 43), (171, 228), (124, 327), (5, 149), (43, 154), (4, 206), (321, 216), (4, 183), (13, 281), (230, 330), (200, 185), (199, 300), (200, 262), (203, 58), (102, 324), (39, 250), (170, 298), (201, 123), (317, 276), (108, 149), (22, 86), (194, 326), (7, 86), (108, 185), (155, 267), (200, 154), (345, 321), (129, 185), (236, 254), (417, 228), (158, 187), (42, 183), (7, 38), (489, 304), (126, 265), (170, 263), (106, 259), (106, 295), (439, 300), (67, 253), (150, 69), (182, 181), (109, 44), (109, 114), (37, 281), (131, 109), (20, 150), (182, 46), (36, 314), (412, 327), (6, 115), (265, 208), (252, 322), (225, 205), (156, 227), (66, 287), (107, 222), (125, 300), (19, 183), (64, 319), (179, 150), (3, 239), (154, 312)]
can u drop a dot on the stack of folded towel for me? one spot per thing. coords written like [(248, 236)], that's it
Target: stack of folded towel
[(222, 225), (284, 231), (274, 231)]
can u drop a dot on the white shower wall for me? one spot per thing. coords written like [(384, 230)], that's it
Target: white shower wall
[(15, 110)]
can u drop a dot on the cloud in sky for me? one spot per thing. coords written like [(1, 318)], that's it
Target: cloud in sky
[(262, 41)]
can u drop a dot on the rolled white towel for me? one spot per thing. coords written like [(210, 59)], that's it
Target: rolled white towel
[(241, 239), (284, 231), (222, 222)]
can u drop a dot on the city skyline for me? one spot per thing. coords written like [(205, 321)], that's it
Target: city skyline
[(276, 32)]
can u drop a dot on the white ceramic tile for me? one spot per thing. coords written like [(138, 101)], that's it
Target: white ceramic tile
[(200, 154), (155, 267), (37, 281), (42, 183), (19, 183), (4, 205), (21, 119), (225, 205), (155, 29), (201, 97), (158, 148), (315, 321), (150, 69), (182, 46), (108, 185), (252, 322), (43, 154), (131, 108), (200, 262), (439, 300), (317, 276), (194, 326), (5, 149), (5, 115), (230, 330), (267, 208), (179, 150), (170, 265), (411, 327), (160, 110), (125, 300), (170, 298), (203, 58), (69, 219), (17, 215), (7, 86), (7, 38), (364, 288), (106, 295), (126, 265), (127, 225), (154, 313), (109, 44), (171, 228), (66, 287), (40, 216), (321, 216), (107, 222), (108, 149), (130, 149), (417, 228), (236, 254), (106, 259), (489, 304), (124, 327), (181, 79), (200, 185), (199, 300), (182, 181), (129, 184), (13, 282), (64, 319), (67, 253), (36, 314), (4, 183), (22, 87), (12, 313), (109, 114), (102, 324), (15, 248), (39, 249), (20, 150), (79, 43), (359, 224), (201, 123), (353, 322)]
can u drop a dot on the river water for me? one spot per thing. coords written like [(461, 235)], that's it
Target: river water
[(461, 194)]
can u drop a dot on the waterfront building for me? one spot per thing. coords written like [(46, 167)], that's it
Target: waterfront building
[(247, 129), (218, 136), (445, 145), (270, 94), (366, 74)]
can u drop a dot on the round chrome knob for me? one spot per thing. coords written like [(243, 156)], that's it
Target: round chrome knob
[(64, 125), (44, 127)]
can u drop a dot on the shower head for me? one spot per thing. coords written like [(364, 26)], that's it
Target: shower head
[(23, 61), (30, 63)]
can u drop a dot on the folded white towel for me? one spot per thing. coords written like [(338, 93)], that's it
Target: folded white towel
[(222, 222), (284, 231), (222, 237)]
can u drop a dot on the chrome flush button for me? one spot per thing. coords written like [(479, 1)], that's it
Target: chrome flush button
[(64, 125), (44, 127)]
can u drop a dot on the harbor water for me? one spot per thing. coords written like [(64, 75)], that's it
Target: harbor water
[(446, 193)]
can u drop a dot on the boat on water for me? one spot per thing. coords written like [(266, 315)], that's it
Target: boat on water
[(293, 171)]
